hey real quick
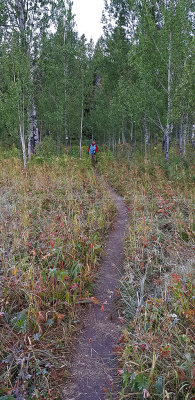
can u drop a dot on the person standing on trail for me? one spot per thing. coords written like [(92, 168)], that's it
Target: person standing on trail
[(92, 150)]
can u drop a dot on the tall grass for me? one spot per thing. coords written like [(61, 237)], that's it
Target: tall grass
[(157, 293), (53, 220)]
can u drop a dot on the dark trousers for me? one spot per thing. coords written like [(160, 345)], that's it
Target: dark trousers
[(93, 159)]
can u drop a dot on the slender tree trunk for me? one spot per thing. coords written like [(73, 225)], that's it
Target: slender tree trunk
[(131, 141), (146, 137), (33, 138), (41, 132), (113, 147), (181, 136), (109, 142), (185, 135), (21, 132), (169, 126), (192, 136), (123, 136), (176, 133), (65, 75), (81, 130), (58, 144), (22, 139), (67, 142)]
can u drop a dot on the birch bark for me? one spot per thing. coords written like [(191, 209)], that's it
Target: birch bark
[(81, 129), (21, 131), (169, 125), (33, 138), (131, 141), (123, 136), (146, 137)]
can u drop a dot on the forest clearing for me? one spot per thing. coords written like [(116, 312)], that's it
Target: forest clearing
[(97, 202)]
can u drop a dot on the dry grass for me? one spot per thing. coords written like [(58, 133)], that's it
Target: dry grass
[(157, 293), (53, 220)]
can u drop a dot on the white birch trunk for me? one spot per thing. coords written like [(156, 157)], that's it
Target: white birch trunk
[(65, 92), (169, 126), (185, 135), (181, 136), (113, 146), (21, 132), (146, 137), (109, 142), (123, 133), (58, 144), (131, 141), (81, 130), (192, 136), (123, 136), (20, 13), (33, 138), (19, 6), (22, 140)]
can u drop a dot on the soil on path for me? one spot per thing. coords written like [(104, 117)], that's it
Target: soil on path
[(94, 367)]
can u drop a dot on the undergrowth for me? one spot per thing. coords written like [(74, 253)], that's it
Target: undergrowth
[(156, 349), (53, 219)]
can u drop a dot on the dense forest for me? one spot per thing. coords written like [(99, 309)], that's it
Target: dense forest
[(97, 259), (133, 86)]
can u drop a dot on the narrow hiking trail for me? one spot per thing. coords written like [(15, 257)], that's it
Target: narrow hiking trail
[(94, 367)]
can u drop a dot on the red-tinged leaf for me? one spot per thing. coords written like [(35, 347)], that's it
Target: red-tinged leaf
[(121, 339), (118, 349), (102, 307), (95, 301), (90, 341)]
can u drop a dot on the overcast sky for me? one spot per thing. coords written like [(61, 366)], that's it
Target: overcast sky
[(88, 15)]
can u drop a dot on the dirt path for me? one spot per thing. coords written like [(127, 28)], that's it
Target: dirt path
[(95, 366)]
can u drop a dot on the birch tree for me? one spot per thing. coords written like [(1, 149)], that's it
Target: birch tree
[(22, 23)]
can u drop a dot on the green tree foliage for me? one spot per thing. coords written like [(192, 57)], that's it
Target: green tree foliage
[(135, 86)]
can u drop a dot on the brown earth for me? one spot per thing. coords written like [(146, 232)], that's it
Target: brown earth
[(94, 367)]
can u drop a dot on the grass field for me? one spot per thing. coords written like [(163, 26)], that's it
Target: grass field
[(53, 221)]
